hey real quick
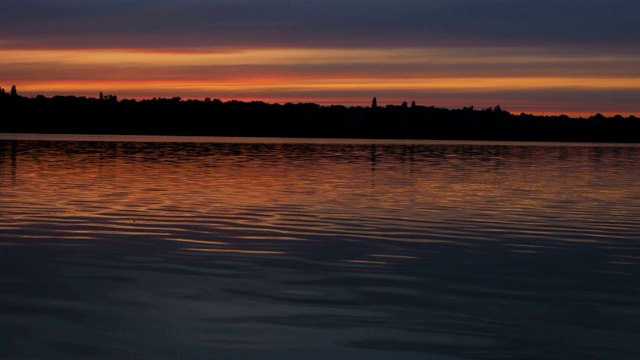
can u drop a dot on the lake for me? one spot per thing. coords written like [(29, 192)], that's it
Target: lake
[(123, 247)]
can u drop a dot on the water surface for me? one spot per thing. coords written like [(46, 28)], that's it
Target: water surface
[(197, 248)]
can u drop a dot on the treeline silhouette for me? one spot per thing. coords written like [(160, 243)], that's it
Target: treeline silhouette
[(174, 116)]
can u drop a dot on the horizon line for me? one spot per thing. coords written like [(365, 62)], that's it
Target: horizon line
[(328, 103)]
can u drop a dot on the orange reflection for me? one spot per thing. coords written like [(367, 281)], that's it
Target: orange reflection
[(235, 251), (204, 242), (263, 198)]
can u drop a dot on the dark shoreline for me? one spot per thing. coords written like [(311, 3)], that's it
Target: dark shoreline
[(177, 117)]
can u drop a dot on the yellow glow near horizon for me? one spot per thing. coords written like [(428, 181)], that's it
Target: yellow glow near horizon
[(285, 56), (217, 57)]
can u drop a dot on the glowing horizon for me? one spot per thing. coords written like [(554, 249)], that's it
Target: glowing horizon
[(518, 79)]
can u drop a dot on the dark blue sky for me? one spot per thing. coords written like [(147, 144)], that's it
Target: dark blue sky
[(171, 23)]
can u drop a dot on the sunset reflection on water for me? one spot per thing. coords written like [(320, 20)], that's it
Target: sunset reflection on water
[(246, 248)]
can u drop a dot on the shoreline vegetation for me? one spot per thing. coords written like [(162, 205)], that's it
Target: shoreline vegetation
[(106, 115)]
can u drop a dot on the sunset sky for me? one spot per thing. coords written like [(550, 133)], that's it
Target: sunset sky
[(576, 57)]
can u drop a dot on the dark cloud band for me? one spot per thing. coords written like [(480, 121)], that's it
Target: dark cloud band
[(190, 23)]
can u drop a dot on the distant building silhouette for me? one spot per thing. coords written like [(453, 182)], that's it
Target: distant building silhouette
[(101, 96), (404, 104), (413, 104), (374, 103)]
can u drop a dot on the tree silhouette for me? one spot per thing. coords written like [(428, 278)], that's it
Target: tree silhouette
[(14, 92), (237, 118)]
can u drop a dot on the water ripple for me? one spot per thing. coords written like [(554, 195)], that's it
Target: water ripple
[(254, 249)]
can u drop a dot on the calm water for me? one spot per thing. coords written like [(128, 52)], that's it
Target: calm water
[(173, 248)]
